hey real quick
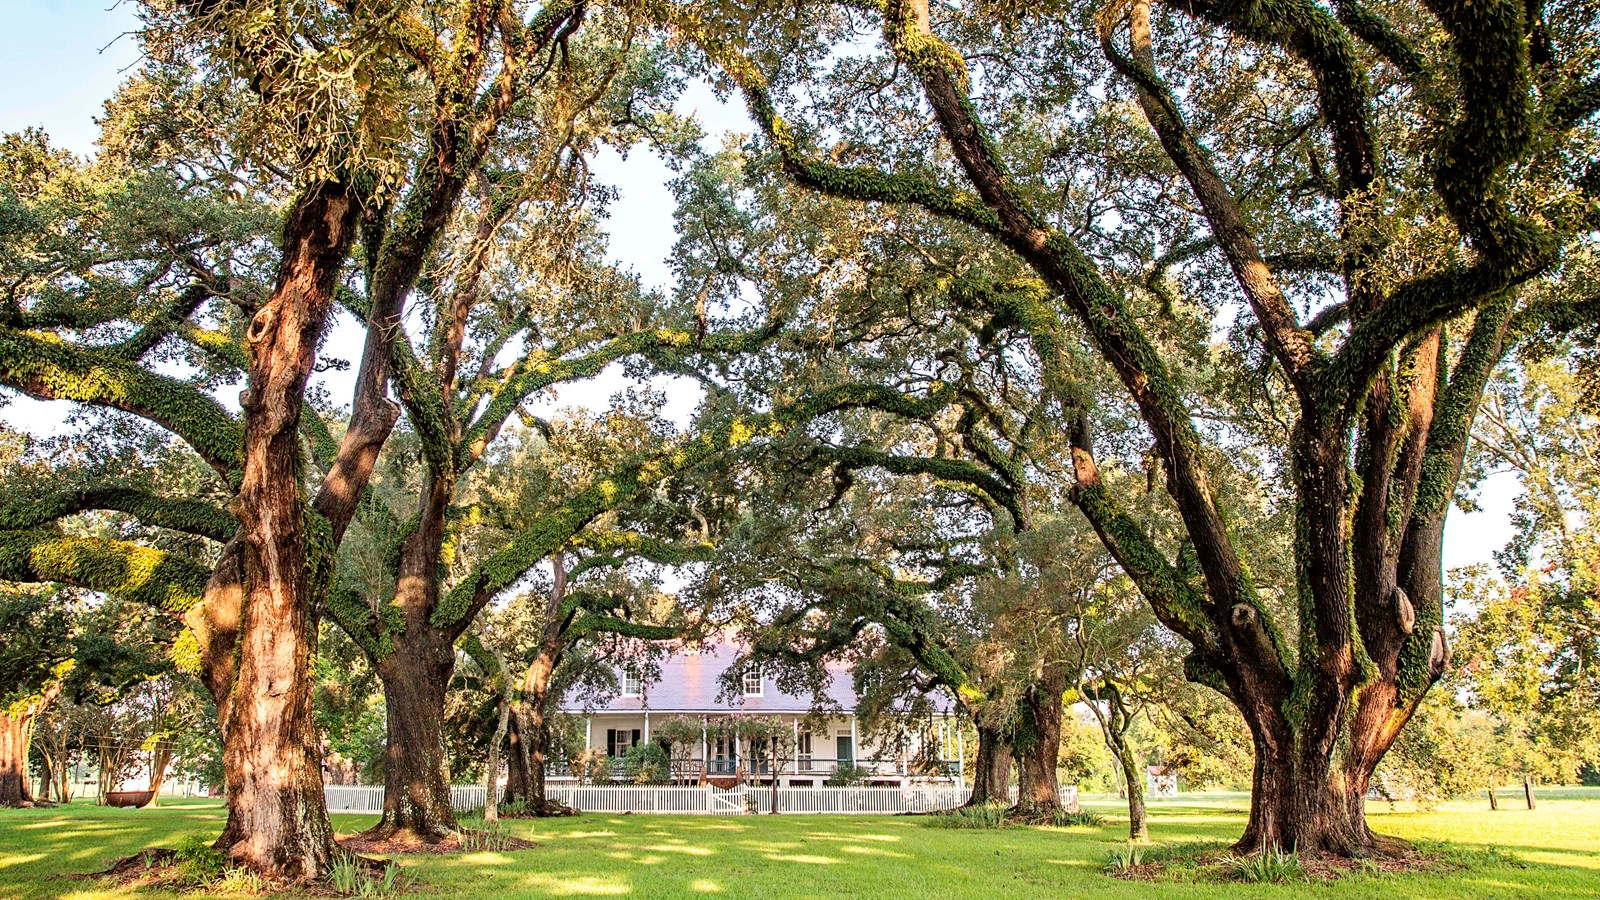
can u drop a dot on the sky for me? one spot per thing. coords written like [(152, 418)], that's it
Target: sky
[(61, 59)]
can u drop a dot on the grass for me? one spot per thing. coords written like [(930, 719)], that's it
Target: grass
[(1549, 853)]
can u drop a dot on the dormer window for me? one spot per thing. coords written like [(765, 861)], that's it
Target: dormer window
[(753, 684), (632, 685)]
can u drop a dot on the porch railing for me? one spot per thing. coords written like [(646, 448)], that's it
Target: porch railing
[(690, 768)]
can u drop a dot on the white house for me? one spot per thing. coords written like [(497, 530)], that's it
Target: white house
[(689, 684)]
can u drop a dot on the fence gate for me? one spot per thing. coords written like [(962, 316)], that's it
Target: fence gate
[(721, 802)]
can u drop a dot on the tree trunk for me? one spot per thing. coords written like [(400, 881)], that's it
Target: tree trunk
[(536, 688), (15, 733), (534, 710), (416, 676), (991, 768), (1138, 824), (491, 778), (416, 801), (519, 781), (1037, 743), (1307, 802), (160, 761), (278, 816)]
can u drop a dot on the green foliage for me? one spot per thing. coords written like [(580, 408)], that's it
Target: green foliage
[(491, 838), (646, 763), (1124, 860), (848, 775), (1267, 867), (988, 815), (352, 876), (199, 861), (238, 880), (1080, 819)]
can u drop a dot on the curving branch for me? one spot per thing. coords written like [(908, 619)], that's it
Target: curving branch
[(187, 515), (1290, 344), (122, 569), (509, 564), (48, 368)]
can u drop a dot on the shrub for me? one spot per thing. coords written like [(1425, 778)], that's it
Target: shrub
[(848, 775), (646, 763), (592, 766), (198, 861)]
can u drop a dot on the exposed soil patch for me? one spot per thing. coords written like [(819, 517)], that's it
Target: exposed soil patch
[(1222, 866), (139, 865)]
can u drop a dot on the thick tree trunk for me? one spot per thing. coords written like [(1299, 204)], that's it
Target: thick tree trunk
[(533, 712), (278, 817), (519, 781), (536, 690), (15, 731), (991, 768), (16, 736), (416, 802), (1037, 743)]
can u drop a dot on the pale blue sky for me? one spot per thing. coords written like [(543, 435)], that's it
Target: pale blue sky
[(61, 59)]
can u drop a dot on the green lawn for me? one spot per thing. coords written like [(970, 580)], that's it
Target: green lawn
[(844, 856)]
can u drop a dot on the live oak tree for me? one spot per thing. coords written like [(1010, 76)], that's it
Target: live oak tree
[(558, 640), (379, 141), (1465, 121)]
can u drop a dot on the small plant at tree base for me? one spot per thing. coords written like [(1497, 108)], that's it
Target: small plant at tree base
[(989, 815), (1266, 867), (1080, 819), (198, 861), (237, 880), (351, 879), (1123, 860), (345, 876), (492, 837), (515, 809)]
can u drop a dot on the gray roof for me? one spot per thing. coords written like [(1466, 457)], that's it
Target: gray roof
[(691, 680)]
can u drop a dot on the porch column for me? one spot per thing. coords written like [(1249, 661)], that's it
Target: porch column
[(794, 748), (647, 726), (855, 741), (705, 747), (961, 756), (588, 732)]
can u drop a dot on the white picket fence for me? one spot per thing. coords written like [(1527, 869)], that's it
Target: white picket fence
[(700, 801)]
